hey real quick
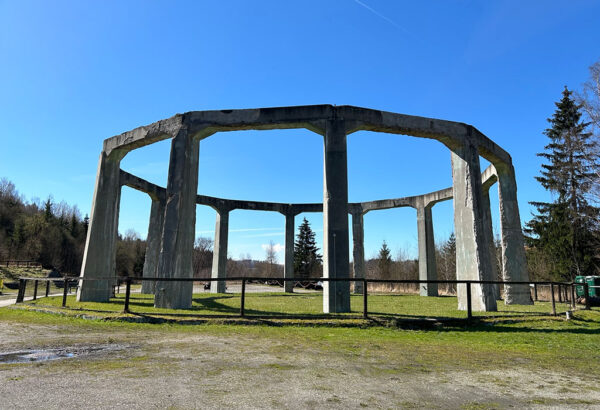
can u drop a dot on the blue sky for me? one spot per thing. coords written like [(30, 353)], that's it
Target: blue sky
[(74, 73)]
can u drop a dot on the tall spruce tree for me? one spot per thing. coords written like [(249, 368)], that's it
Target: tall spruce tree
[(384, 261), (306, 253), (566, 228)]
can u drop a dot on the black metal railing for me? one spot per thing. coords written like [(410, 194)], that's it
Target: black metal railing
[(566, 290)]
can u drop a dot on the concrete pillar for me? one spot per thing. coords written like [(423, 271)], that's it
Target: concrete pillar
[(288, 267), (157, 214), (427, 263), (514, 263), (177, 241), (489, 234), (336, 295), (358, 249), (99, 258), (219, 265), (473, 261)]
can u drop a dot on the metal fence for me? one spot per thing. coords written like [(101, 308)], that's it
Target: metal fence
[(552, 292), (24, 264)]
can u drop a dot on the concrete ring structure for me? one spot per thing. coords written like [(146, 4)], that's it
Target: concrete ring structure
[(172, 217)]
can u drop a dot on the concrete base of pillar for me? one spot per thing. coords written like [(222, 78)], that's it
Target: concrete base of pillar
[(336, 297)]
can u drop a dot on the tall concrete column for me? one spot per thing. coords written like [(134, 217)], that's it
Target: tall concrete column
[(336, 295), (358, 249), (427, 263), (288, 267), (219, 264), (473, 260), (514, 264), (177, 241), (99, 258), (157, 214), (489, 234)]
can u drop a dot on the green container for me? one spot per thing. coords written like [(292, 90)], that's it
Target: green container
[(591, 281), (579, 290)]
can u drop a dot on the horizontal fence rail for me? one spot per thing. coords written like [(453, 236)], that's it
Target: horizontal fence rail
[(26, 264), (566, 290)]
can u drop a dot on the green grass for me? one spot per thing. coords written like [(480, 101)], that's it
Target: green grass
[(396, 306)]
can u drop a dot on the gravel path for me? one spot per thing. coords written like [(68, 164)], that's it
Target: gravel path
[(197, 369)]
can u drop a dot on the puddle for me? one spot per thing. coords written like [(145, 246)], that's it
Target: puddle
[(42, 355)]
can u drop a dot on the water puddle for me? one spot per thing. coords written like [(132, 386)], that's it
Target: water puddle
[(42, 355)]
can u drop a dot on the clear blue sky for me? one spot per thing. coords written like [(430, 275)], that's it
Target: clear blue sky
[(74, 73)]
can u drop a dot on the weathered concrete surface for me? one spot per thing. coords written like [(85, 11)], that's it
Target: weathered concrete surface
[(219, 264), (473, 261), (288, 265), (358, 250), (514, 264), (336, 295), (427, 264), (99, 258), (489, 235), (201, 124), (157, 214), (177, 243)]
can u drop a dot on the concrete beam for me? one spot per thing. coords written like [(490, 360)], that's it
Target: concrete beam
[(473, 261), (157, 214), (219, 265), (177, 242), (201, 124), (99, 257), (336, 295)]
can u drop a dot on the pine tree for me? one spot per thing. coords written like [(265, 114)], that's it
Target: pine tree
[(384, 261), (306, 253), (566, 229)]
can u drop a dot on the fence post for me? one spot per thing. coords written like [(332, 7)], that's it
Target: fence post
[(21, 292), (586, 292), (127, 294), (365, 307), (243, 301), (573, 305), (469, 309), (35, 288), (559, 294), (553, 298), (65, 291), (535, 295)]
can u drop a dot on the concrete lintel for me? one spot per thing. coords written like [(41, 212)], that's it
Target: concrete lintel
[(155, 192), (201, 124)]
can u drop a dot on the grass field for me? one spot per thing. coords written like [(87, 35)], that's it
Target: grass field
[(403, 306)]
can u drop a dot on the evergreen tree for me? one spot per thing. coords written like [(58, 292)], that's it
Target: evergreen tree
[(384, 261), (566, 229), (306, 253)]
